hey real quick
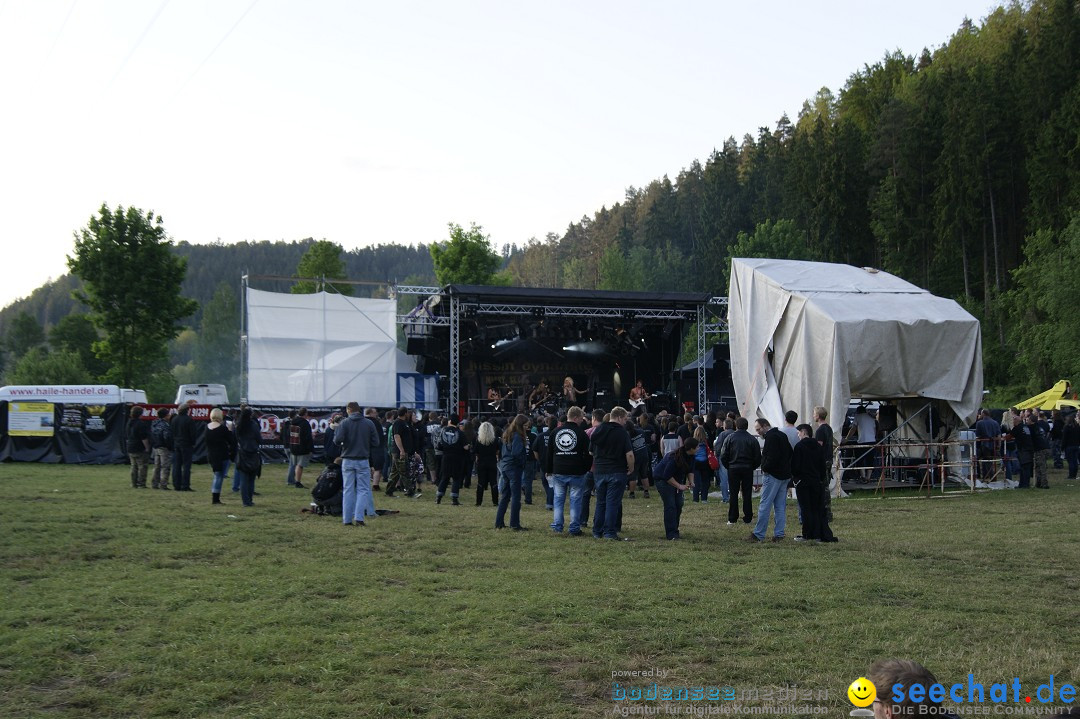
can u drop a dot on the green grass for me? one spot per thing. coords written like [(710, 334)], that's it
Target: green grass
[(139, 603)]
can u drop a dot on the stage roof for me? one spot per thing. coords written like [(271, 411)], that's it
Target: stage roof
[(560, 297)]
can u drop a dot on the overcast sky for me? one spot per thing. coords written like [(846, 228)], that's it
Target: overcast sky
[(366, 123)]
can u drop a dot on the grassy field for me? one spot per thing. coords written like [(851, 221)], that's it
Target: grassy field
[(140, 603)]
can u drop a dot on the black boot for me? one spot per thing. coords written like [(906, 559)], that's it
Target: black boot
[(438, 499), (455, 502), (217, 498)]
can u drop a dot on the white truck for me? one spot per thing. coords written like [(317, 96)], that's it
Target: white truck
[(213, 394), (72, 393)]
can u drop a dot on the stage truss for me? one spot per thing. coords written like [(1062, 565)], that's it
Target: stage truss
[(710, 319)]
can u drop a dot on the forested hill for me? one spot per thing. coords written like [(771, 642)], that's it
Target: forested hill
[(956, 168), (209, 265)]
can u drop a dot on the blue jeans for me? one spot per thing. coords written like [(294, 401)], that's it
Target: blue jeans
[(773, 497), (609, 492), (356, 499), (721, 482), (235, 480), (549, 493), (509, 495), (559, 483), (219, 477), (291, 477), (673, 506)]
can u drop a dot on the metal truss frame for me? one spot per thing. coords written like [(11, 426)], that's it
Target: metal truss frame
[(710, 319)]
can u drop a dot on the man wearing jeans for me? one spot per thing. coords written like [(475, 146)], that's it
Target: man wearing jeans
[(776, 471), (614, 462), (357, 438), (567, 461)]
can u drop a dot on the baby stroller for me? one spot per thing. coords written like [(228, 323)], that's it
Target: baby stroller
[(326, 494)]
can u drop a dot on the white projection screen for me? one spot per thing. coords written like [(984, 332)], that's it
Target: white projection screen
[(320, 349)]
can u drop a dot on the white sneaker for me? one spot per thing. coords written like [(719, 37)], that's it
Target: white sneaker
[(731, 524)]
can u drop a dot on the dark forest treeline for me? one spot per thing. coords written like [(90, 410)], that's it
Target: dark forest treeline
[(936, 168), (210, 265), (958, 169)]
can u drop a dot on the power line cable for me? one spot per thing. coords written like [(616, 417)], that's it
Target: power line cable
[(216, 47), (56, 39), (138, 42)]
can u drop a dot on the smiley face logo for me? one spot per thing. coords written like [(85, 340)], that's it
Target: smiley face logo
[(862, 692)]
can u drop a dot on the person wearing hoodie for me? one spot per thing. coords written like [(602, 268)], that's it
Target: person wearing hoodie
[(567, 461), (614, 462), (357, 438), (776, 471)]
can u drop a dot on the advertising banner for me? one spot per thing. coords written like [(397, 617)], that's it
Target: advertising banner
[(31, 419)]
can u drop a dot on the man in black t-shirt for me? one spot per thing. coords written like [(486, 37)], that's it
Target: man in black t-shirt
[(613, 462), (403, 450)]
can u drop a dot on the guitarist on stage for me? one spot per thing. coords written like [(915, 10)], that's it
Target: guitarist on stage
[(638, 395), (495, 397), (539, 395)]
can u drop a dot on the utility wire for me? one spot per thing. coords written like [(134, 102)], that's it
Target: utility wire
[(219, 44), (138, 42), (56, 39)]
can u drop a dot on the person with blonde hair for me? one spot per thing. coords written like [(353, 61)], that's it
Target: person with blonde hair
[(486, 452), (220, 451), (570, 393)]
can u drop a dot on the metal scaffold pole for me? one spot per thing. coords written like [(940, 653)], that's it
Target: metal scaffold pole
[(455, 359), (701, 398)]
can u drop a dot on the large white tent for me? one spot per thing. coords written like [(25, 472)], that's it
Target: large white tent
[(812, 333), (321, 349)]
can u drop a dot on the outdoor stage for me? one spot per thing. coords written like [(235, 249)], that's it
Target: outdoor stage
[(516, 339)]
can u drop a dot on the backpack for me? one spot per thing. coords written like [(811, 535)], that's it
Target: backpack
[(161, 434), (665, 468), (448, 439), (327, 485), (294, 436)]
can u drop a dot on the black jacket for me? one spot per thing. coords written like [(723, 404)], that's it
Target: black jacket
[(183, 430), (610, 443), (568, 452), (776, 454), (741, 451), (806, 462), (220, 446)]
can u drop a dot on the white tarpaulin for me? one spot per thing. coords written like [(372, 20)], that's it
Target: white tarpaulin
[(321, 349), (813, 333)]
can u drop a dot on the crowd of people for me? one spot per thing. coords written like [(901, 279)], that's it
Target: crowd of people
[(1023, 444), (589, 462), (586, 463)]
